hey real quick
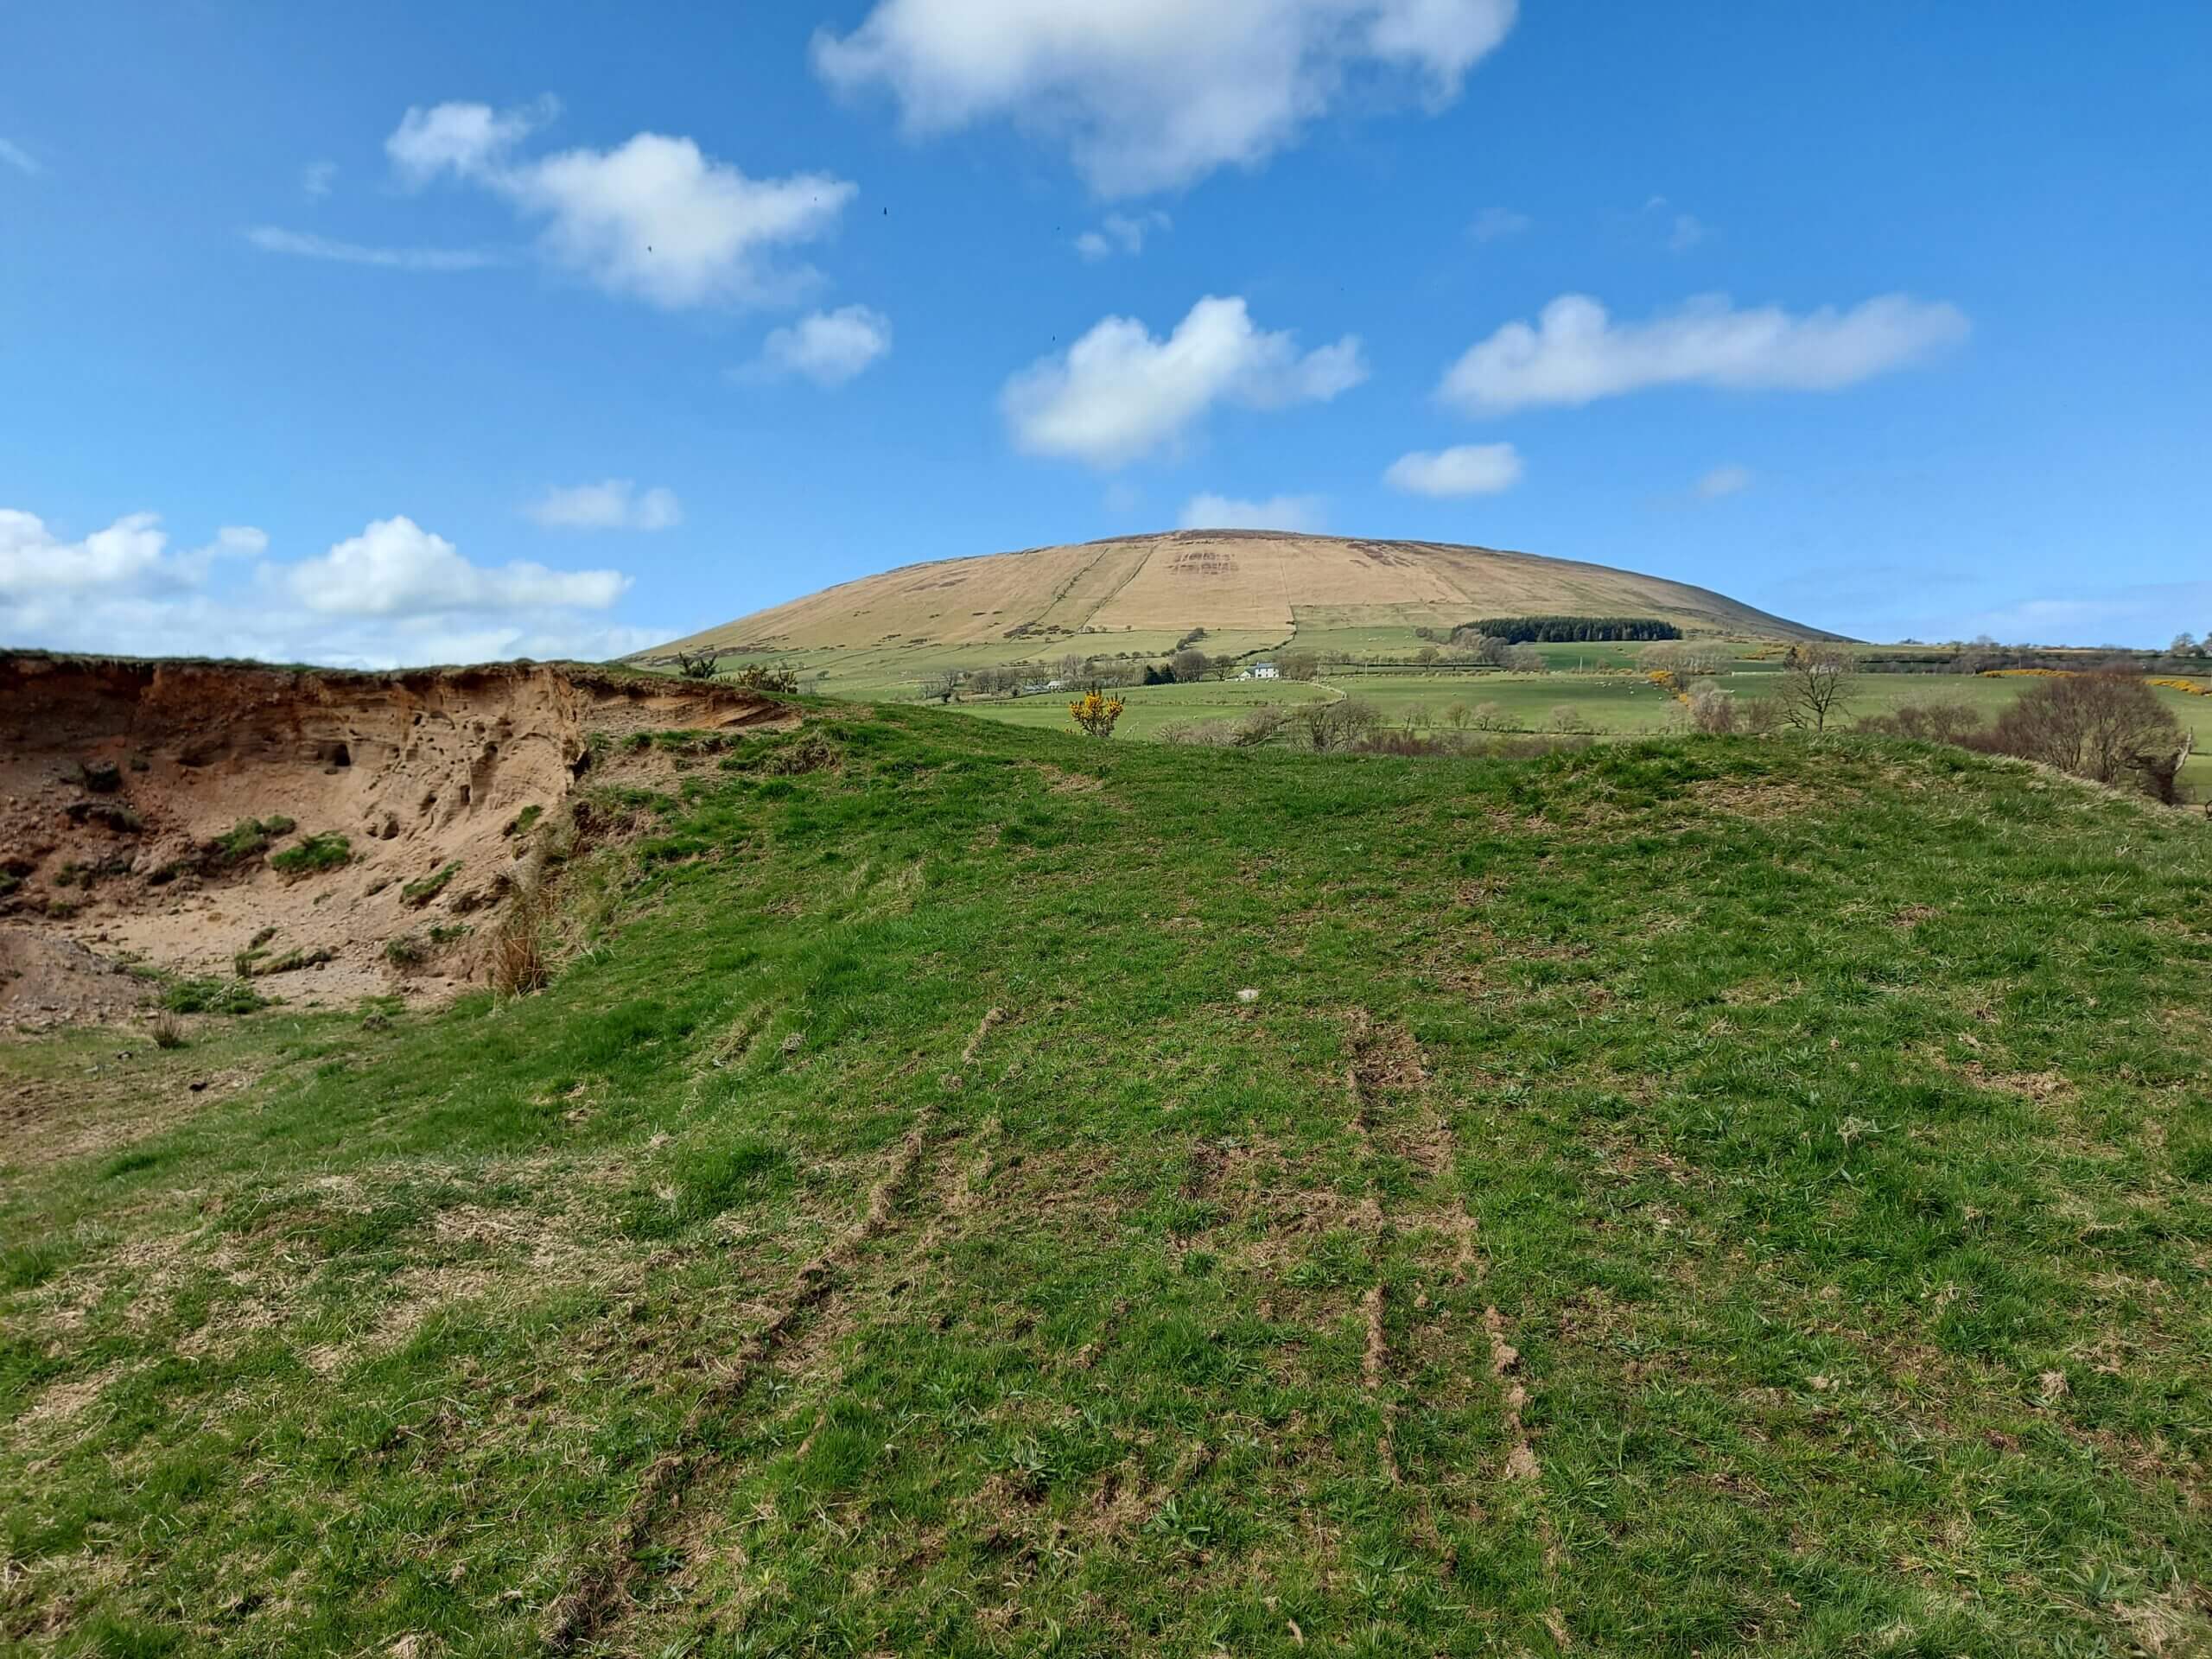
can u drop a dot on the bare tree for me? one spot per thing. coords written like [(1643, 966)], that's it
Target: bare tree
[(1817, 680), (2105, 726), (1188, 665), (1335, 725), (943, 684)]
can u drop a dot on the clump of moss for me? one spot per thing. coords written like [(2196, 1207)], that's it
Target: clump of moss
[(419, 892), (212, 995), (525, 821), (248, 838), (258, 963), (316, 854)]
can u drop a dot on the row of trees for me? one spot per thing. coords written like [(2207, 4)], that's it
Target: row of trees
[(2106, 725), (1569, 630)]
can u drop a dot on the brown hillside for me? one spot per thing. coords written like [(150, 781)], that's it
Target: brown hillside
[(1225, 581)]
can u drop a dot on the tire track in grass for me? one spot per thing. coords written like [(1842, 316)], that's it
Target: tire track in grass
[(602, 1595), (601, 1592), (1388, 1060)]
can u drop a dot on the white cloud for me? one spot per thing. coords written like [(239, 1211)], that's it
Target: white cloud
[(306, 244), (468, 139), (1575, 354), (1725, 479), (653, 219), (1151, 94), (19, 158), (1496, 224), (131, 555), (1118, 393), (396, 568), (1684, 231), (316, 179), (1464, 469), (828, 347), (1209, 512), (614, 504), (394, 595), (1121, 234)]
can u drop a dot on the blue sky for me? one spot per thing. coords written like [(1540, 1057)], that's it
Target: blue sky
[(413, 332)]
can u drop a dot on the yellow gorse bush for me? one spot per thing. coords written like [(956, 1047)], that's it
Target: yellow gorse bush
[(1096, 713), (2189, 686)]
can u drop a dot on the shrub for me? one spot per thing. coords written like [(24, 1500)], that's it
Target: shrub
[(696, 665), (1095, 713), (1566, 717), (1338, 725), (316, 854), (2108, 727), (1258, 726), (771, 679), (406, 951), (1926, 722), (168, 1034), (1404, 740), (1712, 711)]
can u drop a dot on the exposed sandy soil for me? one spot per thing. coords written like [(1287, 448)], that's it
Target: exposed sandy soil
[(118, 778)]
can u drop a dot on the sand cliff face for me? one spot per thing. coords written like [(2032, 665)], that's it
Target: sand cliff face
[(124, 786)]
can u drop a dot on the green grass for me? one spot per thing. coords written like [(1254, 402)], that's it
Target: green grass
[(248, 838), (314, 854), (1682, 1197), (419, 892), (1147, 707), (1611, 703)]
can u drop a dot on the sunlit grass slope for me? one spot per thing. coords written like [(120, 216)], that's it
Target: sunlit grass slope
[(1683, 1197)]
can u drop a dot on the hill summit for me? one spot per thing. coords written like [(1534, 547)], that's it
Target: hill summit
[(1263, 586)]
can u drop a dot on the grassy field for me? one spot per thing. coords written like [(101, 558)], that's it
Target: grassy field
[(1608, 704), (895, 671), (1691, 1197)]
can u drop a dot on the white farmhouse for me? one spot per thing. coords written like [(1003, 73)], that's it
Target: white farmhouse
[(1260, 671)]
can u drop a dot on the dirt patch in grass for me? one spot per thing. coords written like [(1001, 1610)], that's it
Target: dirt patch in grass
[(1764, 798)]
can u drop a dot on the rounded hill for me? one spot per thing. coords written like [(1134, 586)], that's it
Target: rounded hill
[(1261, 588)]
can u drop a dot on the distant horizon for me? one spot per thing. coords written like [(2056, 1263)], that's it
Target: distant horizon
[(413, 336)]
